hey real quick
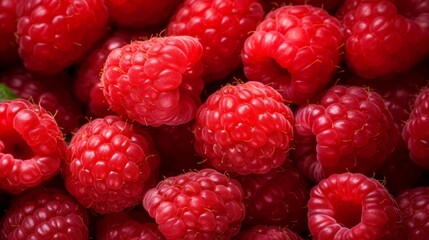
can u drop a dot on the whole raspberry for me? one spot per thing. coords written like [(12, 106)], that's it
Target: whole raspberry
[(8, 46), (110, 164), (141, 14), (295, 49), (221, 27), (350, 130), (31, 145), (278, 197), (262, 232), (415, 132), (414, 205), (197, 205), (379, 41), (156, 81), (54, 35), (244, 128), (353, 206), (45, 214)]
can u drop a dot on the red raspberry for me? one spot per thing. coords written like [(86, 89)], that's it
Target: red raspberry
[(353, 206), (54, 35), (329, 6), (31, 86), (379, 40), (120, 225), (197, 205), (45, 214), (221, 26), (262, 232), (8, 46), (156, 81), (110, 164), (415, 132), (414, 205), (244, 128), (141, 14), (295, 50), (350, 130), (31, 145), (278, 197)]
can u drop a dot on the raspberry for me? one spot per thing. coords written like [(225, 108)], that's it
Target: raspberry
[(278, 197), (110, 164), (379, 41), (415, 132), (221, 26), (156, 81), (31, 145), (197, 205), (414, 205), (141, 14), (31, 86), (8, 47), (244, 128), (329, 6), (353, 206), (54, 35), (350, 130), (295, 49), (262, 232), (45, 214)]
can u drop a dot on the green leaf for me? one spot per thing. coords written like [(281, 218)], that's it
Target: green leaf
[(6, 93)]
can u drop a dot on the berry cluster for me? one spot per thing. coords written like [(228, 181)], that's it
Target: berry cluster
[(214, 119)]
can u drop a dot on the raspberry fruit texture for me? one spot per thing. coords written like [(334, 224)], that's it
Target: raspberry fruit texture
[(415, 132), (330, 6), (45, 214), (263, 232), (278, 197), (197, 205), (32, 146), (349, 130), (155, 82), (353, 206), (141, 14), (8, 46), (244, 128), (221, 26), (414, 205), (53, 35), (295, 49), (379, 41), (110, 164)]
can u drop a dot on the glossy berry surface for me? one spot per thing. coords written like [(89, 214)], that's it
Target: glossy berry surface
[(262, 232), (8, 46), (199, 205), (109, 165), (244, 128), (156, 81)]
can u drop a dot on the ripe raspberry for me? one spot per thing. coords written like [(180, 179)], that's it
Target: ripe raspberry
[(31, 145), (414, 205), (244, 128), (31, 86), (221, 27), (415, 132), (54, 35), (141, 14), (197, 205), (278, 197), (353, 206), (8, 47), (110, 164), (156, 81), (295, 50), (120, 225), (350, 130), (379, 41), (45, 214), (262, 232)]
